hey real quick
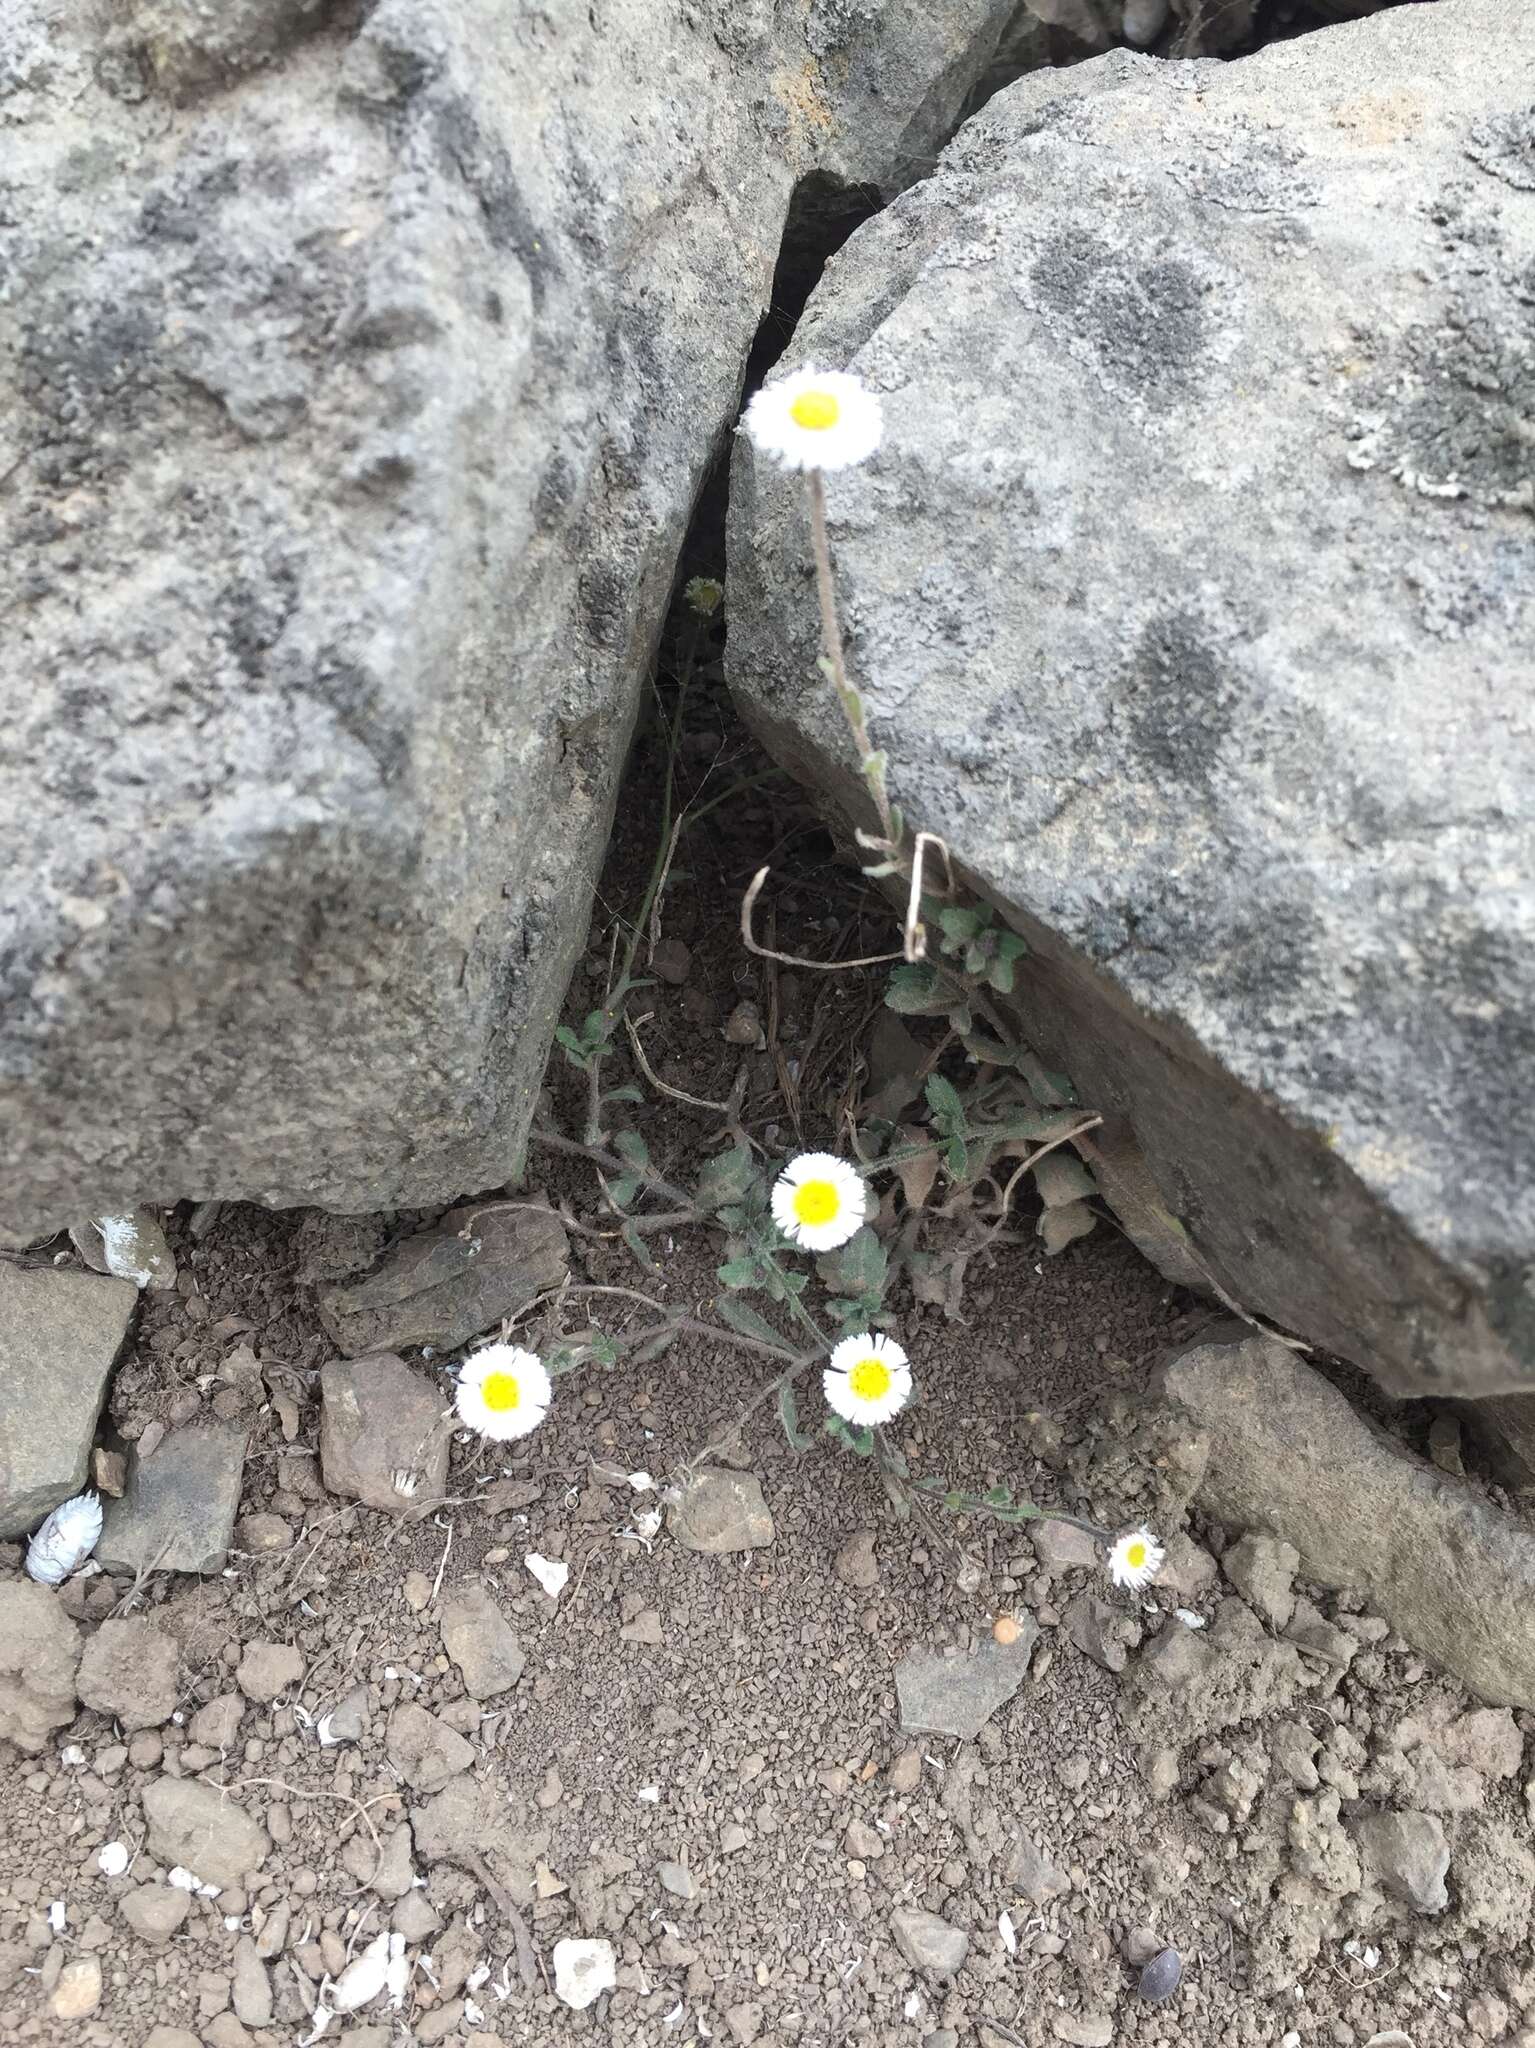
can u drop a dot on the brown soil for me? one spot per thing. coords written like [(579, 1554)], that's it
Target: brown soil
[(765, 1716)]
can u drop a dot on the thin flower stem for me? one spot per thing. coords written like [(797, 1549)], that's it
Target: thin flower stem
[(608, 1161)]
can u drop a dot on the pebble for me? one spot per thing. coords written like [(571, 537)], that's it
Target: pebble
[(129, 1670), (583, 1970), (1161, 1976), (862, 1841), (155, 1912), (906, 1772), (855, 1563), (671, 961), (1083, 2030), (415, 1917), (956, 1693), (1061, 1547), (424, 1750), (251, 1988), (1140, 1945), (417, 1590), (217, 1724), (720, 1511), (267, 1669), (645, 1628), (928, 1942), (1031, 1873), (678, 1880), (478, 1637), (177, 1511), (202, 1829), (260, 1535), (78, 1991)]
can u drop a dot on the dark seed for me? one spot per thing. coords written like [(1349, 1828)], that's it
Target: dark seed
[(1161, 1977)]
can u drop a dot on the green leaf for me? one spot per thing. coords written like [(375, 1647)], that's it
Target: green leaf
[(604, 1350), (1001, 974), (631, 1146), (654, 1347), (746, 1320), (572, 1047), (957, 1157), (726, 1178), (629, 1092), (622, 1191), (788, 1415), (916, 990), (859, 1267), (956, 923), (743, 1272), (858, 1440), (943, 1100), (638, 1246)]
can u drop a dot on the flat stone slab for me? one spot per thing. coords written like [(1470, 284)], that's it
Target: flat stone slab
[(956, 1692), (449, 1284), (382, 1436), (60, 1333), (177, 1512)]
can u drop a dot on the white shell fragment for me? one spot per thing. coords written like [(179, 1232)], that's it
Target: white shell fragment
[(112, 1859), (65, 1540), (363, 1978), (583, 1970), (397, 1975), (550, 1573), (185, 1880)]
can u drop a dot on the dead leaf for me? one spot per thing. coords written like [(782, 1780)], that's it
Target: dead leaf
[(287, 1415), (1060, 1227), (918, 1175), (1062, 1178)]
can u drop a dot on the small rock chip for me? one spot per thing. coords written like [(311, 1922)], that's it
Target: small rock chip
[(251, 1987), (1061, 1547), (855, 1563), (743, 2022), (1083, 2030), (202, 1829), (645, 1628), (1104, 1633), (672, 961), (415, 1917), (583, 1970), (418, 1591), (78, 1991), (1262, 1568), (170, 2037), (1409, 1854), (1031, 1873), (1161, 1976), (425, 1751), (381, 1436), (678, 1880), (1140, 1945), (721, 1510), (267, 1669), (156, 1913), (217, 1724), (948, 1693), (347, 1720), (905, 1773), (479, 1639), (865, 1843), (260, 1535), (927, 1942), (177, 1511), (395, 1874), (129, 1671), (744, 1025)]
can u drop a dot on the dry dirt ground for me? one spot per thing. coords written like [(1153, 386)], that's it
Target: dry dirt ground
[(702, 1760)]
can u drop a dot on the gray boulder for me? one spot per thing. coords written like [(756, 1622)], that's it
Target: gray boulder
[(1193, 595), (353, 408)]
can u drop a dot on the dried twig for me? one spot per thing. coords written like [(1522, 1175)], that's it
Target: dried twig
[(527, 1962), (749, 940), (631, 1025)]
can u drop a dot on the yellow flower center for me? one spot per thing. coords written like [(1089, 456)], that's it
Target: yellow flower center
[(1135, 1556), (816, 1201), (870, 1379), (816, 410), (500, 1392)]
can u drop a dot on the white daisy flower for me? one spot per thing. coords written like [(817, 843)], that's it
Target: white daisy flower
[(819, 1201), (815, 419), (503, 1391), (1136, 1559), (867, 1380)]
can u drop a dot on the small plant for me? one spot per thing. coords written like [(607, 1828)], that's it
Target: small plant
[(956, 961)]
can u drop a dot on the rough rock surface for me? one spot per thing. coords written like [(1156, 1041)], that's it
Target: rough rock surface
[(379, 1421), (721, 1510), (60, 1333), (177, 1512), (1287, 1453), (425, 1751), (354, 409), (449, 1284), (203, 1830), (952, 1692), (1205, 444), (478, 1637), (39, 1659)]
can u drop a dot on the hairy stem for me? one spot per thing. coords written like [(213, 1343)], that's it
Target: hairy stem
[(831, 638)]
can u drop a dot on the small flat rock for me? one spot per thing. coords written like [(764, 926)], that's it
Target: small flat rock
[(60, 1334), (855, 1563), (583, 1971), (865, 1843), (251, 1986), (395, 1874), (1263, 1568), (466, 1819), (170, 2037), (1061, 1547), (645, 1628), (178, 1507), (129, 1669), (39, 1662), (928, 1942), (78, 1991), (379, 1419), (425, 1751), (415, 1917), (261, 1535), (348, 1719), (1409, 1855), (721, 1510), (479, 1639), (678, 1880), (218, 1723), (1032, 1874), (446, 1285), (155, 1912), (743, 2022), (267, 1669), (204, 1830), (1083, 2030), (956, 1693), (1100, 1631)]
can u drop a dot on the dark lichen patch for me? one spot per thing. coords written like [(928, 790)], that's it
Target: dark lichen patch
[(1145, 322), (1179, 697)]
